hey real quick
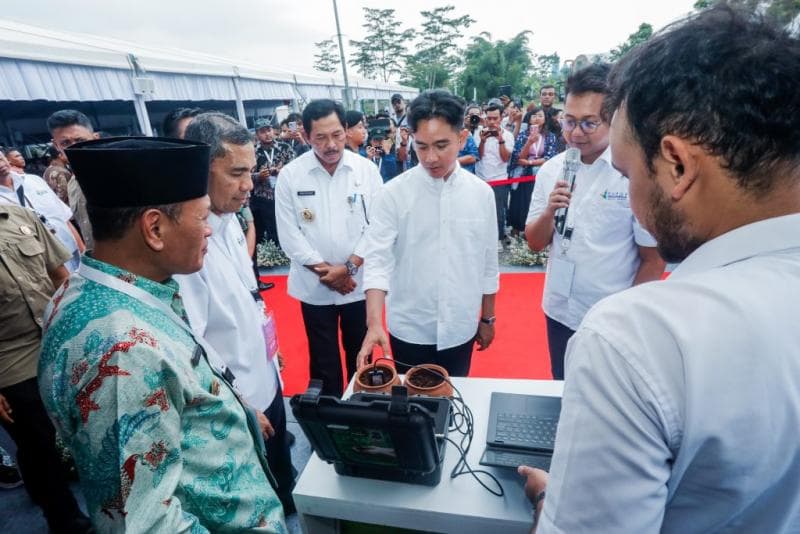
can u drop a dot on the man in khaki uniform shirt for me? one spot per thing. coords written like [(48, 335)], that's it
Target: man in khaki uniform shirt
[(31, 267)]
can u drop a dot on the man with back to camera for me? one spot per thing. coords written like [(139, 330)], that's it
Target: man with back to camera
[(681, 406), (323, 204), (442, 217), (222, 299), (161, 440), (601, 249)]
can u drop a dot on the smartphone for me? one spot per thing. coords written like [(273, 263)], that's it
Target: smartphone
[(292, 126)]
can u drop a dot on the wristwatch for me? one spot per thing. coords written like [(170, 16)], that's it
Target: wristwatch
[(352, 268), (488, 320)]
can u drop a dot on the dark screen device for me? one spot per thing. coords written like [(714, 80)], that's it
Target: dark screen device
[(376, 436), (522, 430)]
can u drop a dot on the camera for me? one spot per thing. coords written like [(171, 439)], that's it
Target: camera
[(474, 121), (292, 126)]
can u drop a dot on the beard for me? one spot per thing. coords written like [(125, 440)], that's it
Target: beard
[(670, 229)]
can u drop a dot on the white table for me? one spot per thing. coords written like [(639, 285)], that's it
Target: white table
[(458, 505)]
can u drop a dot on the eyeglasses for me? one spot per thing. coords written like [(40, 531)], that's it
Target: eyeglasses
[(587, 126)]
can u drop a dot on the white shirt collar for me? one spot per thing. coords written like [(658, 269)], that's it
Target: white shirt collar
[(761, 237), (344, 162)]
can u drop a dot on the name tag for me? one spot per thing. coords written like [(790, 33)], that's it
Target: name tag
[(560, 276), (306, 193)]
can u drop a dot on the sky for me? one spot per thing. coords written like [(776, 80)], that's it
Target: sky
[(281, 33)]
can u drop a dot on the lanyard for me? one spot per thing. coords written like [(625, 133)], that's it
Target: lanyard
[(572, 214), (227, 254), (99, 277)]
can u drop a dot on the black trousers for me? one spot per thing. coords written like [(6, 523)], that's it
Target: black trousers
[(519, 205), (37, 456), (455, 359), (264, 219), (501, 206), (557, 336), (322, 329), (279, 455)]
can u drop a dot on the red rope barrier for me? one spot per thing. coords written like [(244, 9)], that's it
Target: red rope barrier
[(495, 183)]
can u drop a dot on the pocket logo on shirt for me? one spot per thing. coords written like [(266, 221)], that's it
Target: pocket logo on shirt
[(614, 195), (306, 193)]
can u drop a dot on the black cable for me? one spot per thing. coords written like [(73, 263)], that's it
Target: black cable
[(461, 421)]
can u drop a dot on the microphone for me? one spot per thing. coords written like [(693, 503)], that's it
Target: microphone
[(572, 162)]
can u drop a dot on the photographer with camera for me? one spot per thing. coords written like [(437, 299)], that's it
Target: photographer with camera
[(494, 151), (468, 154), (293, 134), (380, 151), (271, 156)]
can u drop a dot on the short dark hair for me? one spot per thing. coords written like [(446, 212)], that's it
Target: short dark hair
[(493, 107), (109, 224), (68, 117), (214, 128), (724, 79), (169, 128), (318, 109), (591, 79), (437, 103), (547, 86)]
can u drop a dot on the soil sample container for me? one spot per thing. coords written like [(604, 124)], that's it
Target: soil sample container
[(376, 378), (427, 379)]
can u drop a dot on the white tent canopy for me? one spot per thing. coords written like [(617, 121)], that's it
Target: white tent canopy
[(41, 64)]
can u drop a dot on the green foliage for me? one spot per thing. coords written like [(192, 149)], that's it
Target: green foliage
[(783, 11), (641, 35), (488, 65), (438, 56), (327, 57), (268, 254), (382, 51), (546, 71)]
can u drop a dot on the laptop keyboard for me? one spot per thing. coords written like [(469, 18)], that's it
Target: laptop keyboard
[(498, 458), (521, 430)]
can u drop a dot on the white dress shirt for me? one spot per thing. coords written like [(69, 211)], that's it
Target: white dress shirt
[(42, 199), (322, 218), (221, 308), (432, 245), (604, 242), (491, 166), (682, 399)]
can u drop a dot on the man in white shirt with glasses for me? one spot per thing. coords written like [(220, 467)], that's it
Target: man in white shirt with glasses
[(431, 249), (600, 249)]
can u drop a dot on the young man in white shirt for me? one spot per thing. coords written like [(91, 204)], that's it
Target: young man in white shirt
[(681, 405), (323, 204), (494, 148), (222, 299), (431, 247), (602, 249)]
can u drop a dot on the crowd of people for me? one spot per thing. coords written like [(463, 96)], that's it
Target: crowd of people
[(135, 330)]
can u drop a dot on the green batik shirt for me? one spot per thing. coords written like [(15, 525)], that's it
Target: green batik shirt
[(161, 442)]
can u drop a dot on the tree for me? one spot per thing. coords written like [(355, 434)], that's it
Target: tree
[(641, 35), (488, 65), (783, 11), (437, 58), (383, 49), (327, 57)]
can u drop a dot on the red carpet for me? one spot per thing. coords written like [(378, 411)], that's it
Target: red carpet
[(519, 349)]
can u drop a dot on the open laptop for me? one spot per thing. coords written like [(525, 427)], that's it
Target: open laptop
[(522, 430)]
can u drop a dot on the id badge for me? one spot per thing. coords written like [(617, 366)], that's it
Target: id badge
[(560, 276)]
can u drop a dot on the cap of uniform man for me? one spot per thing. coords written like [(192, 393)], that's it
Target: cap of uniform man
[(132, 172), (263, 123), (396, 96)]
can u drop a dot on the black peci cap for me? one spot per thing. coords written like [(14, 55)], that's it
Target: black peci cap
[(129, 172)]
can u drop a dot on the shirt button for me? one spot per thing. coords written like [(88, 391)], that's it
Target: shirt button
[(39, 321)]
